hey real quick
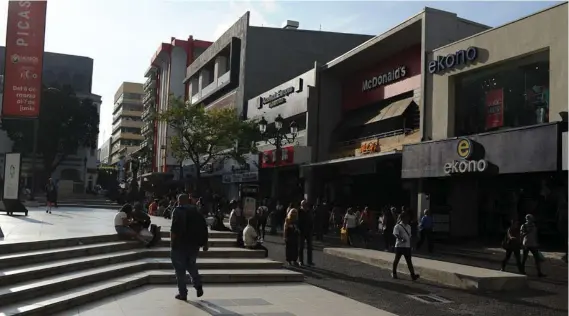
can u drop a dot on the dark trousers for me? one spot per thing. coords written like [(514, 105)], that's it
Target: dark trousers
[(516, 253), (426, 234), (185, 260), (261, 226), (291, 249), (352, 232), (258, 246), (534, 254), (388, 238), (239, 240), (406, 253), (305, 238)]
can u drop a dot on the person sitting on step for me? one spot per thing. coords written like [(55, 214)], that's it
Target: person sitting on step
[(123, 219), (251, 238)]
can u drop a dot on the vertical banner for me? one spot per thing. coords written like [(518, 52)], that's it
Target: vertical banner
[(25, 37), (12, 176), (494, 108)]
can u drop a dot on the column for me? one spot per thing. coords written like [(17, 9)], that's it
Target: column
[(422, 198)]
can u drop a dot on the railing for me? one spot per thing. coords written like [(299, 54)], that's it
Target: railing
[(147, 112), (150, 83), (149, 96), (350, 142)]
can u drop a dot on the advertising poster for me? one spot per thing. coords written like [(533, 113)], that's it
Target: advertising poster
[(12, 176), (494, 108), (249, 207), (25, 35)]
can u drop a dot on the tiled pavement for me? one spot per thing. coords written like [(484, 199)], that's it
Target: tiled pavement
[(226, 300)]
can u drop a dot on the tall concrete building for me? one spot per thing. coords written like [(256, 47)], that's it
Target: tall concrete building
[(166, 78), (127, 121)]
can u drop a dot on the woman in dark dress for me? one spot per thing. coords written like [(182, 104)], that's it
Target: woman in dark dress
[(291, 234), (51, 195)]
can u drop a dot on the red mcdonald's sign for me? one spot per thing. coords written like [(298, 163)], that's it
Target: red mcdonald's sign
[(25, 37)]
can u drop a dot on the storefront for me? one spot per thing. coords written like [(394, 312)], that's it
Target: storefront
[(279, 173), (495, 108)]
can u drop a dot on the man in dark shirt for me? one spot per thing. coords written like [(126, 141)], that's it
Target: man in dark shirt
[(188, 234), (306, 226)]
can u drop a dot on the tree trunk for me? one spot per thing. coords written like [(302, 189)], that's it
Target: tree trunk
[(198, 184)]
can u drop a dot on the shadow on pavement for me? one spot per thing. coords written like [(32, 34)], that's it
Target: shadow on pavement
[(29, 220)]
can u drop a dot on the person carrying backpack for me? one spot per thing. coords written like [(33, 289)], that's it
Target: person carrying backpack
[(188, 234)]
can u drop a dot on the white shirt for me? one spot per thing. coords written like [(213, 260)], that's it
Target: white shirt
[(119, 218), (249, 236), (351, 220), (402, 232)]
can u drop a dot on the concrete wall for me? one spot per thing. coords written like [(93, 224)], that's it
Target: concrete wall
[(440, 28), (541, 31), (275, 55)]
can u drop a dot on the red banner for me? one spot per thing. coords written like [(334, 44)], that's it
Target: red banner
[(268, 158), (494, 108), (25, 37)]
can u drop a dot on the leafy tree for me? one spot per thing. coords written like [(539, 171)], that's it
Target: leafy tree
[(66, 123), (205, 137)]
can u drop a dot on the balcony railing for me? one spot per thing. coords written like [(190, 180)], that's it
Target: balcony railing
[(149, 84), (148, 97), (148, 113)]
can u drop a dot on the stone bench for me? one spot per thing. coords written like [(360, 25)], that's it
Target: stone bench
[(441, 272)]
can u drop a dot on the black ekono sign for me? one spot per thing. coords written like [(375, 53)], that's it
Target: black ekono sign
[(450, 61)]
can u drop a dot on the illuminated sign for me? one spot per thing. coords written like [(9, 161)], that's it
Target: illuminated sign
[(465, 150), (370, 147)]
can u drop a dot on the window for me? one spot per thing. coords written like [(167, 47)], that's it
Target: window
[(512, 95), (133, 96)]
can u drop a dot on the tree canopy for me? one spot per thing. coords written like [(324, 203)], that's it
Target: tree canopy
[(205, 137), (66, 123)]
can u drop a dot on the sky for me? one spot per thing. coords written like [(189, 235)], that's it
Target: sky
[(122, 35)]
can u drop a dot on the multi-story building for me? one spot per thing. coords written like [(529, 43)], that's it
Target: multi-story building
[(165, 79), (79, 169), (105, 152), (127, 120), (247, 61), (495, 116)]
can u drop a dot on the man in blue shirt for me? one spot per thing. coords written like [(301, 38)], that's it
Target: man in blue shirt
[(426, 230), (188, 234)]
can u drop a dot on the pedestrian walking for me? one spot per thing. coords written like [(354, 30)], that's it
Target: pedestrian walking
[(262, 218), (351, 225), (51, 195), (426, 230), (512, 245), (306, 226), (388, 221), (291, 235), (402, 233), (528, 233), (188, 234)]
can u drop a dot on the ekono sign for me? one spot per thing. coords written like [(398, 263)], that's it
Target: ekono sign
[(23, 65), (465, 151), (450, 61)]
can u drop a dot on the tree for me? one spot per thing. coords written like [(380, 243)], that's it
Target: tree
[(66, 123), (205, 137)]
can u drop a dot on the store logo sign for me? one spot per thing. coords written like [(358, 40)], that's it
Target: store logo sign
[(279, 97), (465, 151), (450, 61), (385, 78)]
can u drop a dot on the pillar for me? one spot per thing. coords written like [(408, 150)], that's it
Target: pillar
[(422, 198)]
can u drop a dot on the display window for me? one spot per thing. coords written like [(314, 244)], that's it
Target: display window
[(512, 94)]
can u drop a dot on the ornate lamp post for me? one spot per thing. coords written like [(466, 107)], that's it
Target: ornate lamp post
[(278, 138)]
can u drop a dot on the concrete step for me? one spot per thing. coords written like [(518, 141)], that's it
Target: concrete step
[(441, 272), (66, 253), (66, 299), (11, 247), (212, 242), (32, 272)]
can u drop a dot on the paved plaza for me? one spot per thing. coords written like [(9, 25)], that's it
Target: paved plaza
[(63, 222), (230, 300)]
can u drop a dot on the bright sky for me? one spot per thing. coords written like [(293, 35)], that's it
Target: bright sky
[(122, 35)]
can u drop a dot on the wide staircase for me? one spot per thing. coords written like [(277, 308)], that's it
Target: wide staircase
[(46, 277)]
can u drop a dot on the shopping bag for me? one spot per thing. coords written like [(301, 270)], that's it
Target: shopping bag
[(344, 235)]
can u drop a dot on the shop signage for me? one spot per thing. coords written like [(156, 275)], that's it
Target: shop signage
[(370, 147), (452, 60), (241, 177), (279, 97), (211, 167), (465, 150), (383, 79), (244, 167), (268, 158), (494, 108)]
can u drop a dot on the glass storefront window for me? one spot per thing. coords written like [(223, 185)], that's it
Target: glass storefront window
[(511, 95)]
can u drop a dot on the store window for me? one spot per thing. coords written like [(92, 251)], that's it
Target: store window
[(511, 95)]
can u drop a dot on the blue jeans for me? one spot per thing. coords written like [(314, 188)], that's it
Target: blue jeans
[(185, 260)]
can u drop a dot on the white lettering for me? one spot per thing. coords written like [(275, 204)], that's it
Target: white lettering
[(465, 166), (384, 79)]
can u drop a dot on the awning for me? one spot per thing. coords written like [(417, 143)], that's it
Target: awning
[(354, 158), (395, 109)]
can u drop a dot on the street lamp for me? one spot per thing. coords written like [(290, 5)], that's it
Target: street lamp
[(278, 138)]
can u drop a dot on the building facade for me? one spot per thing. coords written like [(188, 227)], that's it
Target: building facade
[(495, 110), (165, 79), (127, 120), (238, 68), (370, 104), (105, 152)]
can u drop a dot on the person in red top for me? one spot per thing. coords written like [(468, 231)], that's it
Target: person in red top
[(153, 207)]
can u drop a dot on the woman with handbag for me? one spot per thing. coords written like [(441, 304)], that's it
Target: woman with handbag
[(512, 245), (402, 233), (291, 237)]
